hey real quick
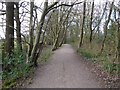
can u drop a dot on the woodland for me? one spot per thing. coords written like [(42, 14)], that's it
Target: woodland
[(32, 32)]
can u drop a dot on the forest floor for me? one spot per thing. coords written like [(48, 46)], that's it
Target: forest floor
[(65, 69)]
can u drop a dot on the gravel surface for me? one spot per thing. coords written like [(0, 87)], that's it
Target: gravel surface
[(64, 70)]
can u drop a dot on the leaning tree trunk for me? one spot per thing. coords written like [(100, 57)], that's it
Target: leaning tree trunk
[(58, 31), (63, 38), (9, 43), (65, 29), (39, 31), (41, 45), (105, 27), (18, 26), (56, 41), (81, 32)]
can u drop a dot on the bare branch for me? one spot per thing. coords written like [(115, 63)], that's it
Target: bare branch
[(117, 8), (49, 9), (25, 39), (2, 10)]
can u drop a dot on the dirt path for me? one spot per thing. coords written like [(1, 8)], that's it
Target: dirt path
[(64, 70)]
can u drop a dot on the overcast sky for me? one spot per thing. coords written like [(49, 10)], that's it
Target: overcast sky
[(39, 2)]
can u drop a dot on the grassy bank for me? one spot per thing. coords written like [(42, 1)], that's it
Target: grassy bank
[(106, 60)]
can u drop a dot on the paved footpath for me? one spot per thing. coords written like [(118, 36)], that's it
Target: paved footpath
[(64, 70)]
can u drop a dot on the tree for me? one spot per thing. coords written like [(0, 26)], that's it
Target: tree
[(65, 27), (91, 18), (57, 29), (105, 26), (31, 30), (99, 21), (81, 32), (60, 35), (39, 31), (9, 43), (18, 26), (46, 10)]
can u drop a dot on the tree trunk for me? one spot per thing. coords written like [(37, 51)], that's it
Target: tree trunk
[(39, 31), (41, 45), (77, 28), (9, 43), (99, 21), (31, 30), (105, 27), (81, 32), (56, 41), (63, 38), (91, 31), (87, 29), (18, 27)]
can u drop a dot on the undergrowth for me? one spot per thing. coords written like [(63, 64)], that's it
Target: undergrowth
[(45, 54), (14, 68), (106, 60)]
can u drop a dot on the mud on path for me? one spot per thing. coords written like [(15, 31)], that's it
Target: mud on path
[(64, 70)]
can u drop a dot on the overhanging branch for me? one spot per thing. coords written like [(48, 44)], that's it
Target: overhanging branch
[(51, 8)]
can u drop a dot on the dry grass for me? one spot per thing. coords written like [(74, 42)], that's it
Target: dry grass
[(106, 60)]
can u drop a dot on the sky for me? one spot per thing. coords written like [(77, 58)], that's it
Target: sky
[(40, 3)]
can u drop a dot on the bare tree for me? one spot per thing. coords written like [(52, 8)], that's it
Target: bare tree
[(81, 32), (18, 26), (46, 10), (31, 30), (39, 31), (105, 27), (91, 18)]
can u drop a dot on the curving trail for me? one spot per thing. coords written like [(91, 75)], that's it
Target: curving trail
[(64, 70)]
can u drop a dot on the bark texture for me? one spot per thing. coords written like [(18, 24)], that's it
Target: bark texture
[(91, 18), (31, 30), (39, 31), (9, 43)]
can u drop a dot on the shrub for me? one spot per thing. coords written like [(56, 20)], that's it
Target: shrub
[(15, 67)]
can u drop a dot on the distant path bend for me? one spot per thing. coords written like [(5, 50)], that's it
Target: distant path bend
[(64, 70)]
